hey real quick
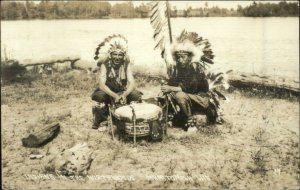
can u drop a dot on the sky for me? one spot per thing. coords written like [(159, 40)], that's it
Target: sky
[(201, 3)]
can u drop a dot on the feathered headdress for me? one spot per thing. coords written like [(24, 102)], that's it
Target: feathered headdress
[(198, 47), (186, 42), (189, 42), (111, 44)]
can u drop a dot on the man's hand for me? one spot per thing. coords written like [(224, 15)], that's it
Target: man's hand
[(117, 98), (123, 98), (168, 89)]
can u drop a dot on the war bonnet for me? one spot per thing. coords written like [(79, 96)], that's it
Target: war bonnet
[(114, 43), (197, 47)]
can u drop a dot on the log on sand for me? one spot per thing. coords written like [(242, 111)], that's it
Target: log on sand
[(51, 62), (238, 80), (74, 63), (11, 68), (275, 84), (42, 136)]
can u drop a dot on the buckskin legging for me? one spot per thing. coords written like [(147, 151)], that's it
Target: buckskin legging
[(191, 103)]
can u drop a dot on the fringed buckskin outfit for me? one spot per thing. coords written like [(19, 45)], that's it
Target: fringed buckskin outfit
[(116, 77), (190, 76), (194, 96)]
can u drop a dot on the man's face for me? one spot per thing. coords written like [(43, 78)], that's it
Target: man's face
[(183, 59), (117, 57)]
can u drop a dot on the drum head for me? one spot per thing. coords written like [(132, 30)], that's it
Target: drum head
[(143, 111)]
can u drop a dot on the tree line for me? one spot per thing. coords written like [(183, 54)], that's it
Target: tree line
[(45, 9), (283, 8)]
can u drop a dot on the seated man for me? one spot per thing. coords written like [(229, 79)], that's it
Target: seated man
[(188, 85), (116, 82)]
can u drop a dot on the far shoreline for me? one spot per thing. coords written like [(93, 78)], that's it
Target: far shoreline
[(122, 18)]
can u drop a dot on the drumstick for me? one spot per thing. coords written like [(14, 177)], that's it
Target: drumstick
[(167, 107), (134, 129), (110, 122), (172, 104), (163, 82)]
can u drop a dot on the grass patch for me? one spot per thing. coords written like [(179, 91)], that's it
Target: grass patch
[(50, 88)]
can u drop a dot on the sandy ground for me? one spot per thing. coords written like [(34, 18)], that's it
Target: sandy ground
[(257, 147)]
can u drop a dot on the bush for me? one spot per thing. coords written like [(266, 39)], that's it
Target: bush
[(11, 70)]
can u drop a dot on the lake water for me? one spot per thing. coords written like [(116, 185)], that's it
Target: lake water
[(260, 45)]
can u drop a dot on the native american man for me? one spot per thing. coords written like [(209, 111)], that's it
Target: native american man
[(116, 83), (188, 84)]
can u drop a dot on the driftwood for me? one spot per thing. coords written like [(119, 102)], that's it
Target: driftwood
[(75, 63), (13, 68), (275, 84), (85, 65), (41, 137), (52, 62)]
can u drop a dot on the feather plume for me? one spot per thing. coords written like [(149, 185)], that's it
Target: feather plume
[(217, 80), (159, 22)]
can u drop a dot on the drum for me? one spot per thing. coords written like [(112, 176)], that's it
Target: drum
[(147, 120)]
